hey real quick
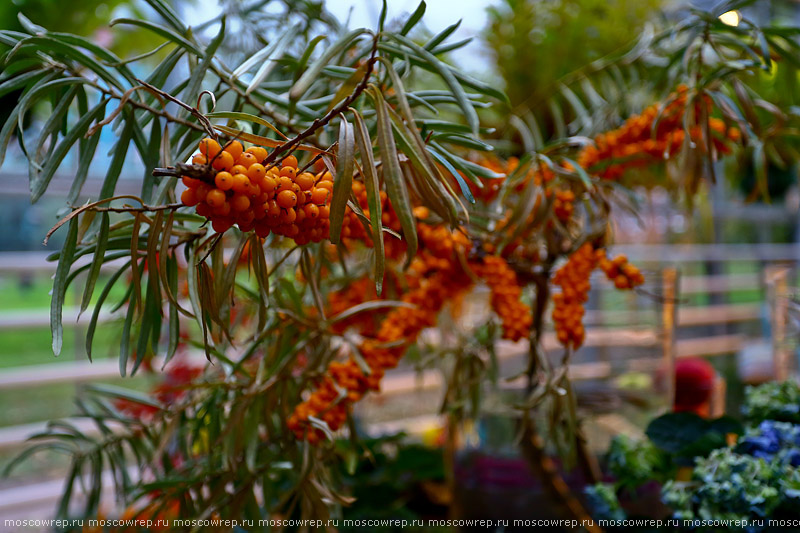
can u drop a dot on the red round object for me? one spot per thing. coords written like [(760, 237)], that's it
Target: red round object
[(694, 383)]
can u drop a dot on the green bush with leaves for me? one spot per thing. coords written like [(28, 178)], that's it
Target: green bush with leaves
[(394, 133)]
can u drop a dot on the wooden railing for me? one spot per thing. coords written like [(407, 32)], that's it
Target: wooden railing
[(403, 382)]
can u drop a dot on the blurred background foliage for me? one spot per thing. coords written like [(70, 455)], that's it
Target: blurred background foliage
[(535, 44)]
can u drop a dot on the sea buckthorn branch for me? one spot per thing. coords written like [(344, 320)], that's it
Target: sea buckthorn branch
[(339, 109), (436, 276)]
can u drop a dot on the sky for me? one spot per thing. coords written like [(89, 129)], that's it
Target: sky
[(439, 14)]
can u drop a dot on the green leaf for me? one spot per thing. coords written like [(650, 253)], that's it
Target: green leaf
[(41, 180), (60, 286), (246, 117), (370, 177), (99, 305), (448, 77), (414, 18), (117, 161), (302, 63), (56, 46), (97, 261), (162, 31), (393, 176), (124, 394), (313, 72), (429, 186), (125, 342), (195, 81), (348, 86), (439, 38), (168, 14), (343, 182)]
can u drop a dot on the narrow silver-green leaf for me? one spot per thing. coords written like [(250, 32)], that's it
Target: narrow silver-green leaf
[(311, 75), (97, 261), (414, 18), (449, 78), (393, 176), (370, 176), (343, 181), (60, 286)]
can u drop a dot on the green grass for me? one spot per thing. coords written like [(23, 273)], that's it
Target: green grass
[(32, 346)]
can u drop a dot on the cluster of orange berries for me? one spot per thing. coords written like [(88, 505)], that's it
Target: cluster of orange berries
[(573, 278), (357, 292), (505, 296), (239, 190), (353, 227), (635, 144), (624, 274), (563, 204), (434, 281)]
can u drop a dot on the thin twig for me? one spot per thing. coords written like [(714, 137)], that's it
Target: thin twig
[(320, 122), (143, 209), (207, 127)]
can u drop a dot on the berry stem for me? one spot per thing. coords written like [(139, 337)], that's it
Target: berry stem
[(320, 122)]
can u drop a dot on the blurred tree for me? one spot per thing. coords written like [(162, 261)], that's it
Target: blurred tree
[(535, 44), (83, 17)]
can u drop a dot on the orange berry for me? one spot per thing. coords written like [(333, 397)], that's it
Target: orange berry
[(190, 182), (289, 172), (247, 160), (292, 230), (209, 147), (204, 210), (268, 185), (240, 202), (246, 217), (201, 191), (241, 183), (305, 181), (222, 224), (273, 209), (311, 211), (235, 149), (325, 184), (287, 199), (290, 161), (319, 196), (319, 165), (200, 159), (189, 198), (238, 169), (288, 216), (285, 183), (256, 172), (223, 161), (259, 152), (223, 180), (223, 210), (262, 229), (215, 198), (324, 211), (246, 226)]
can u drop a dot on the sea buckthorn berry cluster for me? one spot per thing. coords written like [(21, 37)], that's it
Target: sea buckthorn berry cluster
[(568, 311), (635, 144), (624, 274), (505, 296), (562, 204), (353, 228), (241, 191), (434, 282)]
